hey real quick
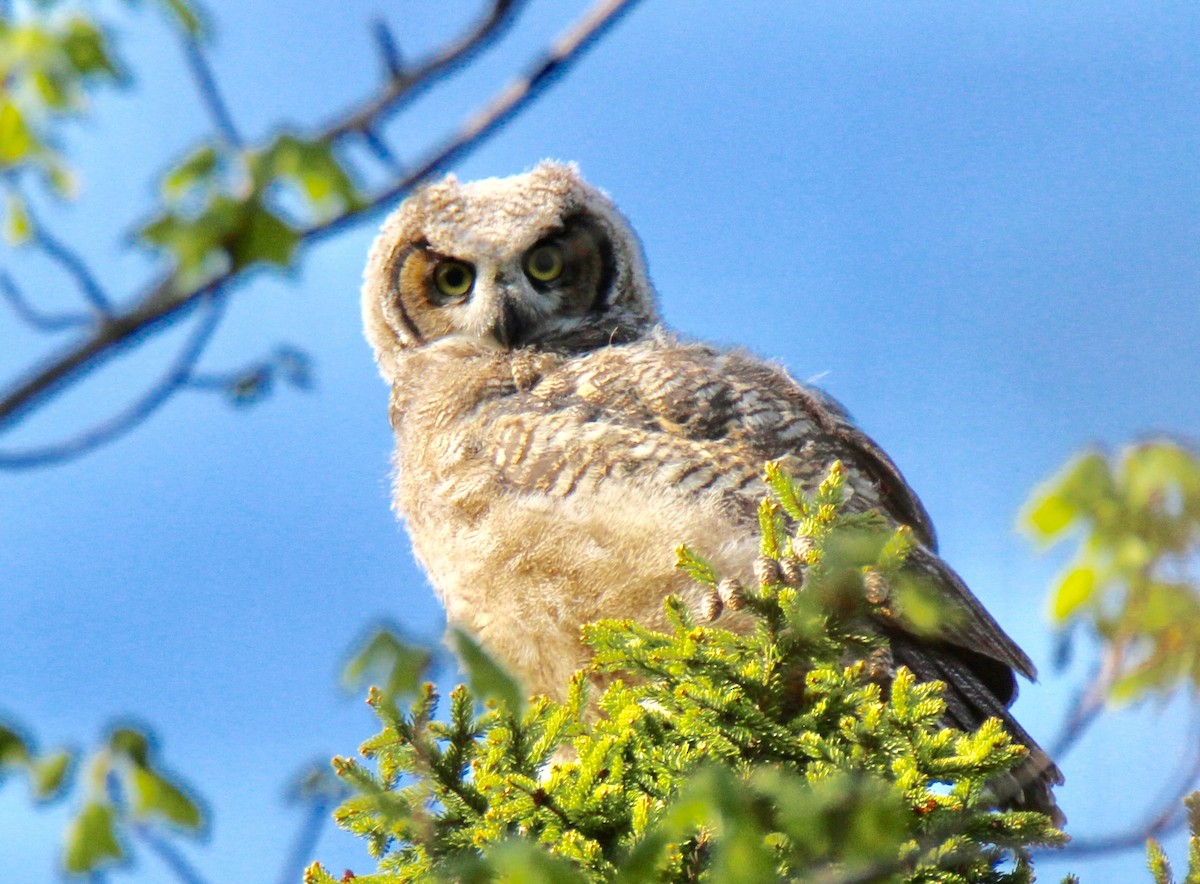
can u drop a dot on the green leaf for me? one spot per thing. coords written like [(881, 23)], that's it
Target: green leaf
[(49, 774), (17, 141), (401, 665), (1050, 516), (13, 749), (184, 15), (922, 606), (313, 168), (1074, 590), (130, 743), (519, 861), (91, 839), (852, 819), (195, 169), (265, 238), (84, 45), (155, 795), (17, 225), (193, 242), (487, 678)]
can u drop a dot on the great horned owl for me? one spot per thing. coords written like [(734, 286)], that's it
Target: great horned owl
[(554, 443)]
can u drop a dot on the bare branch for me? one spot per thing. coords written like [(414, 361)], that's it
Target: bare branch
[(162, 302), (403, 87), (384, 153), (168, 854), (73, 264), (1085, 708), (301, 854), (1165, 817), (210, 93), (545, 70), (29, 314), (389, 50), (124, 421)]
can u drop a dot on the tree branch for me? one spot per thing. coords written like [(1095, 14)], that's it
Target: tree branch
[(29, 314), (210, 92), (168, 854), (301, 854), (402, 87), (1166, 817), (74, 265), (153, 399), (164, 301)]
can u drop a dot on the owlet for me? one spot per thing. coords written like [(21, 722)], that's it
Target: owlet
[(554, 443)]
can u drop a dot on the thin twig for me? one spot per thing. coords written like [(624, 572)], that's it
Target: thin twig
[(382, 152), (47, 322), (162, 302), (1167, 817), (389, 50), (153, 399), (1085, 708), (73, 264), (170, 856), (304, 846), (210, 92), (404, 86), (565, 51)]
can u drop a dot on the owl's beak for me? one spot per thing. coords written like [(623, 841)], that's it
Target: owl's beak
[(510, 328)]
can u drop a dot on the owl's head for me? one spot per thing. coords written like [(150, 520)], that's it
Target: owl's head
[(541, 259)]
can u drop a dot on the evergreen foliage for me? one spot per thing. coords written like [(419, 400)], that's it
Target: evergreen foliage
[(785, 751)]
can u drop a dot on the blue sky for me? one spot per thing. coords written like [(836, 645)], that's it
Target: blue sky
[(975, 224)]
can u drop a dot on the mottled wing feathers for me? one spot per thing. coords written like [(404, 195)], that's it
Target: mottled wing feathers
[(691, 417)]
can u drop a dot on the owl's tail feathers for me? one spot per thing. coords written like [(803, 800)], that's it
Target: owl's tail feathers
[(971, 698)]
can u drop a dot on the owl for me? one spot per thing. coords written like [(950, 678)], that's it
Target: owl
[(555, 443)]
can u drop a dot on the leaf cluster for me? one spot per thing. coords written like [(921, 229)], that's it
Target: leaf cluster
[(1131, 580), (125, 788), (788, 750), (227, 208)]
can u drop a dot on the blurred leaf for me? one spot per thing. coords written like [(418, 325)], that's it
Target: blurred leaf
[(1050, 515), (184, 15), (852, 820), (84, 45), (251, 387), (17, 140), (922, 605), (296, 367), (155, 795), (519, 861), (263, 238), (91, 839), (13, 750), (486, 677), (17, 226), (192, 241), (49, 774), (313, 168), (196, 168), (130, 743), (401, 665), (1073, 591)]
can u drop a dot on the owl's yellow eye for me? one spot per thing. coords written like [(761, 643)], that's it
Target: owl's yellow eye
[(454, 278), (544, 263)]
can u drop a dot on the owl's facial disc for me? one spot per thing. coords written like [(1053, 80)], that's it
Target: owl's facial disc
[(568, 274), (509, 300)]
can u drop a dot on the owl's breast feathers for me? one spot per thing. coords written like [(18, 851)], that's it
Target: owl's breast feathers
[(665, 440)]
